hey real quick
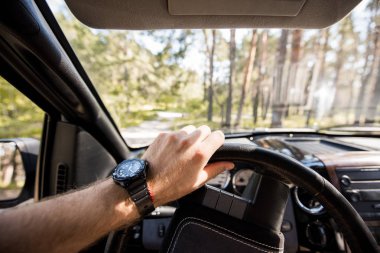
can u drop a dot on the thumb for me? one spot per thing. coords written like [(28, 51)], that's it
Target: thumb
[(214, 169), (210, 171)]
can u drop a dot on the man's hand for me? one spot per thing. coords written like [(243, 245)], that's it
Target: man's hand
[(178, 162), (72, 221)]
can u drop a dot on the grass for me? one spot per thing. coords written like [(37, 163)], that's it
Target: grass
[(16, 129), (135, 118)]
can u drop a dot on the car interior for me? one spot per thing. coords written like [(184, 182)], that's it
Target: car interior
[(292, 190)]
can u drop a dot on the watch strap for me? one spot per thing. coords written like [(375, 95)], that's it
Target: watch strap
[(140, 194)]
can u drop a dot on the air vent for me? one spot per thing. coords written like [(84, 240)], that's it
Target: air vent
[(62, 171)]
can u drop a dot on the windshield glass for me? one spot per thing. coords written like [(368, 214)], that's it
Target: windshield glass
[(235, 80)]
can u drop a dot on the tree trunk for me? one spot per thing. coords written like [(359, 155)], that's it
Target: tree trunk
[(346, 29), (247, 76), (278, 102), (262, 66), (367, 69), (317, 72), (205, 85), (374, 95), (230, 78), (295, 56), (211, 52), (266, 104)]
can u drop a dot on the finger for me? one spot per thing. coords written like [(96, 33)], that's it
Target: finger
[(212, 170), (200, 134), (213, 142), (188, 129)]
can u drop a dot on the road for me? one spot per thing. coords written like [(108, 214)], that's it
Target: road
[(147, 131)]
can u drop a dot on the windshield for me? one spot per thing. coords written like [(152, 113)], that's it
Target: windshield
[(235, 80)]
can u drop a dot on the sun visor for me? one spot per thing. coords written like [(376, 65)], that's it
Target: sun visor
[(273, 8), (192, 14)]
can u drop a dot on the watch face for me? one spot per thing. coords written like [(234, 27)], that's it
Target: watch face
[(129, 169)]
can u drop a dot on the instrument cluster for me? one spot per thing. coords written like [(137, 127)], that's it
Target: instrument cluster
[(234, 181)]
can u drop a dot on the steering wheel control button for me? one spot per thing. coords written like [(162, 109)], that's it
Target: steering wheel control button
[(211, 197), (224, 202), (238, 207)]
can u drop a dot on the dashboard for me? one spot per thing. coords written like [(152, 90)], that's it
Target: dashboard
[(351, 164)]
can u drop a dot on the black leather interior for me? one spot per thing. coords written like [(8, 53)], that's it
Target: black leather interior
[(196, 228)]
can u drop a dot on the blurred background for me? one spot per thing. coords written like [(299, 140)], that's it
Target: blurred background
[(235, 80)]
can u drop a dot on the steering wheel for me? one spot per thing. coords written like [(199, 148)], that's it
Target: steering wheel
[(287, 170)]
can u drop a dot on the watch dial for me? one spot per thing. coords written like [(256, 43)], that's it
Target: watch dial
[(129, 169), (133, 168), (122, 172)]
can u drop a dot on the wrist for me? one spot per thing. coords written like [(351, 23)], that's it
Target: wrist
[(125, 210)]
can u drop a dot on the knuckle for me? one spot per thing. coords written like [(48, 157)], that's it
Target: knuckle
[(200, 155), (173, 137), (185, 142)]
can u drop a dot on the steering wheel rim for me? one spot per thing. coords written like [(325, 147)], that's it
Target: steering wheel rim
[(287, 169)]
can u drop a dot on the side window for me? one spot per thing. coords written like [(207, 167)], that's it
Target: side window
[(21, 124), (12, 171)]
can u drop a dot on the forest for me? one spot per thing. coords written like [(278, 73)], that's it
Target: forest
[(231, 79)]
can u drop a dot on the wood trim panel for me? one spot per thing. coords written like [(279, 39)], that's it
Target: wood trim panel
[(348, 160)]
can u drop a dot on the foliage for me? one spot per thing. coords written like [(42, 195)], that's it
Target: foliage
[(19, 117), (139, 73)]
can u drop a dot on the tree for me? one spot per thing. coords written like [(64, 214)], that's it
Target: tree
[(210, 49), (263, 75), (247, 76), (321, 47), (232, 55), (374, 94), (277, 92), (347, 34), (262, 69), (295, 56), (19, 117), (368, 68)]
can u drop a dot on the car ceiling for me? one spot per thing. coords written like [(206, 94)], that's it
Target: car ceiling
[(171, 14)]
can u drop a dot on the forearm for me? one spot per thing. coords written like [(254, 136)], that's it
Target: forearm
[(177, 166), (103, 207)]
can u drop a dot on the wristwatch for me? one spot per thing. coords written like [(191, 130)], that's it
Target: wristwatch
[(131, 175)]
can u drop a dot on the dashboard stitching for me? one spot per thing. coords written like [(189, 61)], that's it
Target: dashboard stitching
[(248, 239)]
